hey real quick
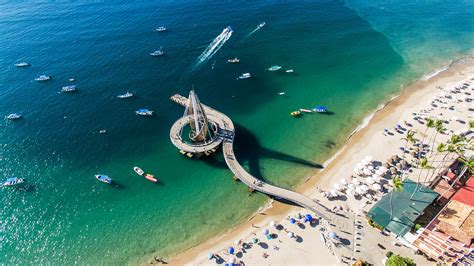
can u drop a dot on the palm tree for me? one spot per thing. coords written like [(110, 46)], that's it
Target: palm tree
[(423, 165), (409, 138), (439, 127), (397, 187)]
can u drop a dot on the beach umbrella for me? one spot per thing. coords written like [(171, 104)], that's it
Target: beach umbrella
[(376, 177), (231, 250), (394, 157), (309, 218), (333, 193), (376, 186), (336, 186), (343, 182), (266, 231), (210, 256), (350, 192), (393, 170), (386, 164), (232, 260), (290, 234), (368, 158), (370, 181), (367, 171), (355, 181), (350, 187), (255, 240), (272, 224), (292, 221), (370, 167), (333, 235)]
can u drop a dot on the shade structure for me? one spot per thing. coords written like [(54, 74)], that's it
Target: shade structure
[(376, 177), (272, 224), (336, 186), (265, 231), (370, 181), (367, 172), (232, 260), (333, 235), (370, 167), (350, 192), (355, 181), (350, 187), (333, 193), (376, 186), (343, 182), (368, 158), (290, 234), (231, 250), (309, 218), (255, 240), (292, 221), (210, 256)]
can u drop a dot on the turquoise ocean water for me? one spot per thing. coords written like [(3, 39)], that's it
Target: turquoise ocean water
[(349, 56)]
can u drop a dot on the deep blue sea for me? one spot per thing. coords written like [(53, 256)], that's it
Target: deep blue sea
[(347, 55)]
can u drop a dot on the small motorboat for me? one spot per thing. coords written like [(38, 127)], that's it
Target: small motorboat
[(289, 71), (43, 78), (295, 113), (320, 109), (13, 181), (161, 29), (144, 112), (22, 64), (126, 95), (158, 52), (281, 93), (261, 24), (150, 177), (71, 80), (102, 131), (104, 178), (274, 68), (13, 116), (306, 110), (245, 76), (233, 61), (70, 88)]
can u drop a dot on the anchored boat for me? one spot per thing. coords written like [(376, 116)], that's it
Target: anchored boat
[(274, 68), (43, 78), (69, 88), (150, 177), (22, 64), (244, 76), (233, 61), (161, 29), (13, 116), (104, 178), (320, 109), (295, 113), (126, 95), (144, 112), (158, 52), (13, 181)]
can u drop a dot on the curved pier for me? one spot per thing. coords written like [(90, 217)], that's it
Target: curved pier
[(225, 135)]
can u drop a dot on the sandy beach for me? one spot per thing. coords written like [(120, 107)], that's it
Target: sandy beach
[(303, 242)]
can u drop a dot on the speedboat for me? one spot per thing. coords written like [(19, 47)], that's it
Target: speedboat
[(281, 93), (13, 116), (161, 28), (144, 112), (104, 178), (71, 79), (320, 109), (69, 88), (261, 24), (13, 181), (244, 76), (158, 52), (274, 68), (43, 78), (233, 61), (289, 71), (150, 177), (102, 131), (22, 64), (295, 113), (126, 95), (306, 110)]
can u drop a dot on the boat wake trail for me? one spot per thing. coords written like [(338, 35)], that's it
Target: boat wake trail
[(214, 46), (256, 29)]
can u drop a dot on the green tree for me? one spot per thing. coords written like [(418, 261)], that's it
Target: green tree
[(397, 187), (409, 138), (397, 260)]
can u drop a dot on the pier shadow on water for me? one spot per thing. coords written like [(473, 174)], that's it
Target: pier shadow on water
[(248, 151)]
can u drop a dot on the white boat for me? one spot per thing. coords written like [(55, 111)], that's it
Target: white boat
[(13, 181), (261, 24), (306, 110), (281, 93), (71, 79), (245, 76), (69, 88), (138, 170), (274, 68), (144, 112), (233, 61), (22, 64), (102, 131), (161, 28), (289, 71), (13, 116), (104, 178), (43, 78), (126, 95), (158, 52)]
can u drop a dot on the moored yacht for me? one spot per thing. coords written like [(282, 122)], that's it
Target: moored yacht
[(274, 68), (13, 181), (69, 88), (22, 64), (126, 95), (158, 52), (245, 76), (233, 61), (144, 112), (161, 28), (13, 116), (43, 78)]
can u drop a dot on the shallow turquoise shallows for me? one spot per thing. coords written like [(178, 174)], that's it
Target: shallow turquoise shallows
[(348, 56)]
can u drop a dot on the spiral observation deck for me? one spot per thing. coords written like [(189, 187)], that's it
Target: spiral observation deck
[(225, 134)]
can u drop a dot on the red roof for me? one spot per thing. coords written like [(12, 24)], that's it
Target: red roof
[(466, 193)]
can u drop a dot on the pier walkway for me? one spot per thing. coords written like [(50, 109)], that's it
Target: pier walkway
[(225, 135)]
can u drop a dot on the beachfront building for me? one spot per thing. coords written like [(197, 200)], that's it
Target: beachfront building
[(398, 211), (449, 237)]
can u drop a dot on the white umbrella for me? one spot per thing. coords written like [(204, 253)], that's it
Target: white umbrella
[(355, 181), (290, 234), (364, 187), (343, 182), (350, 192), (370, 181), (333, 193), (359, 190), (376, 177), (359, 165), (232, 260), (350, 187), (265, 231), (336, 186), (376, 186), (370, 167), (368, 158), (367, 172), (272, 224)]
